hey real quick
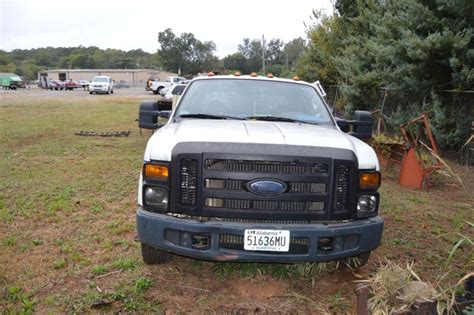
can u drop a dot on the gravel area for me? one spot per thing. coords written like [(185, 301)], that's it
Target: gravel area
[(35, 93)]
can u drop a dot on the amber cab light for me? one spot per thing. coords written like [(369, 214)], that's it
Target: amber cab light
[(253, 74), (210, 74), (237, 73), (296, 78), (155, 171), (369, 180), (270, 75)]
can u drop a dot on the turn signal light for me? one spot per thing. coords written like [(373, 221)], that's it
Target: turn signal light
[(155, 171), (253, 74), (369, 180)]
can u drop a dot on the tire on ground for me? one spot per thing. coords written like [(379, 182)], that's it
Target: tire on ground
[(153, 255)]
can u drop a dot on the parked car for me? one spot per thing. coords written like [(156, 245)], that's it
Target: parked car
[(84, 84), (101, 84), (175, 89), (158, 86), (71, 85), (150, 81), (57, 85)]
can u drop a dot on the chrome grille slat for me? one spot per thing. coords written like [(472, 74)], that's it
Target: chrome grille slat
[(271, 205), (293, 187), (249, 166)]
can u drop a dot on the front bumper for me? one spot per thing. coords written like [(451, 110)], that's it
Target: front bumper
[(98, 88), (174, 235)]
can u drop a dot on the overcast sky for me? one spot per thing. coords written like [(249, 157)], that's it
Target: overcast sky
[(135, 24)]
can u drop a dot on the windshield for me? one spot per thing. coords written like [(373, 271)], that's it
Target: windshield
[(97, 79), (254, 98), (178, 90)]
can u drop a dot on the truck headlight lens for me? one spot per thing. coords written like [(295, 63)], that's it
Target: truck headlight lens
[(157, 197), (369, 180), (157, 171), (366, 206)]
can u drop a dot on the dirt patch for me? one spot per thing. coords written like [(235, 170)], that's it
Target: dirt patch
[(260, 288)]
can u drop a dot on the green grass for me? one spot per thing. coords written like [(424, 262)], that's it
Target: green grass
[(124, 263)]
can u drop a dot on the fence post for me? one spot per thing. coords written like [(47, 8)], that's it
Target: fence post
[(362, 293)]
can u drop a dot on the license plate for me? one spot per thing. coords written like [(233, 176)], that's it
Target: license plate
[(267, 240)]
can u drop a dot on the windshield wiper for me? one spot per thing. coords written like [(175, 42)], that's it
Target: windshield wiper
[(276, 118), (208, 116)]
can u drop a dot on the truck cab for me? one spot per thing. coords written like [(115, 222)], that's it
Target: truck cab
[(256, 169)]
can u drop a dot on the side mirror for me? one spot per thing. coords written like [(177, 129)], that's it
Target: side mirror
[(148, 115), (343, 124), (362, 122)]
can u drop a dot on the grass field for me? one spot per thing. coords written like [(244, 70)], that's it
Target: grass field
[(67, 226)]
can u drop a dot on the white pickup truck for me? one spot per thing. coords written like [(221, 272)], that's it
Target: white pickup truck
[(157, 86), (256, 169)]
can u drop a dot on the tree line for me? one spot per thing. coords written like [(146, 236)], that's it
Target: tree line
[(184, 53)]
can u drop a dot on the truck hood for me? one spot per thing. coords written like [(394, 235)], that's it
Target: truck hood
[(163, 141)]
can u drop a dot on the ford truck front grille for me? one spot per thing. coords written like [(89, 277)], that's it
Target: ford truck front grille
[(217, 185)]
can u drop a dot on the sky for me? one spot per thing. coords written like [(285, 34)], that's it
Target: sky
[(134, 24)]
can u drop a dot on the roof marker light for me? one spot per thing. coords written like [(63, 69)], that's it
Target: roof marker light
[(270, 75), (253, 74), (296, 78), (210, 74), (237, 73)]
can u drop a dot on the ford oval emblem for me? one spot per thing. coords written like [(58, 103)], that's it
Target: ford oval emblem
[(267, 187)]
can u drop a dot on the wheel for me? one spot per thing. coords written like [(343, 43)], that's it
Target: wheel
[(159, 89), (356, 261), (155, 92), (112, 91), (153, 255), (90, 92)]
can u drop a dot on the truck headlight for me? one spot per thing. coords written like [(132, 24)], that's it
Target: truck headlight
[(156, 197), (366, 206), (370, 180), (155, 171)]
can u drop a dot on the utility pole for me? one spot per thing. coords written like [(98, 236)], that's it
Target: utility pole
[(263, 53)]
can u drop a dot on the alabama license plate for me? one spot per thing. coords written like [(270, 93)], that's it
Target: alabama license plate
[(267, 240)]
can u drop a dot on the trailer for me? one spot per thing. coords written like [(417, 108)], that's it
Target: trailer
[(10, 81)]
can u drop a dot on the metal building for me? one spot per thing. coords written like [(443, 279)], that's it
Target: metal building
[(134, 77)]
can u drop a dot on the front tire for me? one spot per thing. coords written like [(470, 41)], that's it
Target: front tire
[(153, 255)]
